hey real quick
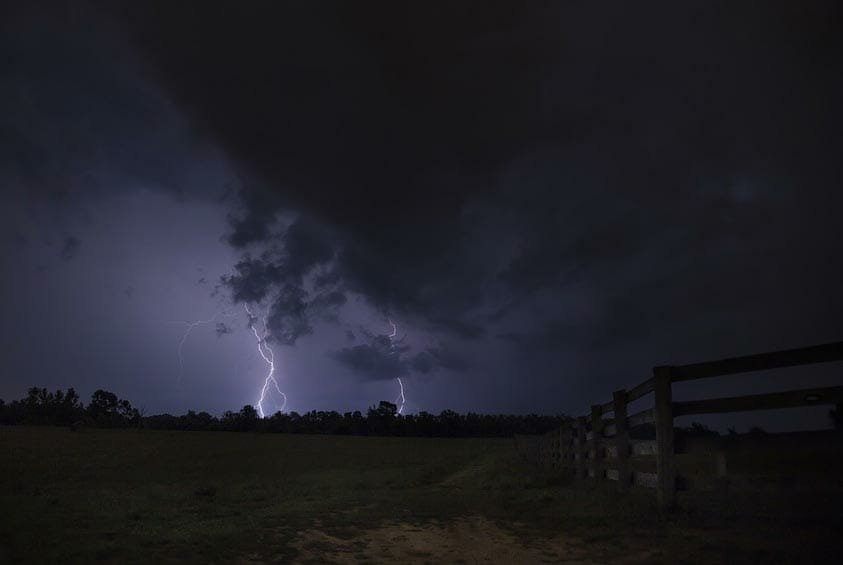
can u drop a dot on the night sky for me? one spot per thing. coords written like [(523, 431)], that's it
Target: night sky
[(547, 199)]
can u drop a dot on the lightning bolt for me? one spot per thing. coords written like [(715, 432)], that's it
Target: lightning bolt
[(190, 327), (401, 400), (266, 353)]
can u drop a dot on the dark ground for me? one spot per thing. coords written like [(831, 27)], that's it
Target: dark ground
[(143, 496)]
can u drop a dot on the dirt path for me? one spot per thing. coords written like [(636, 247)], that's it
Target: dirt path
[(469, 540)]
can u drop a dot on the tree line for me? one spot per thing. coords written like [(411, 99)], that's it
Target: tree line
[(106, 410), (65, 408)]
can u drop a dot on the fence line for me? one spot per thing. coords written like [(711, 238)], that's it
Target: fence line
[(602, 448)]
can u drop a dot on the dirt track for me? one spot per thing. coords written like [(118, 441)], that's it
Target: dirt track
[(469, 540)]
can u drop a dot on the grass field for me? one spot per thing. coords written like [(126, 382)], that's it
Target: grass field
[(128, 496)]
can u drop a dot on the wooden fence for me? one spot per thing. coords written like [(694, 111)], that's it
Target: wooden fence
[(603, 448)]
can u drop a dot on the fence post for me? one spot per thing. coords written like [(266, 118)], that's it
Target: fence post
[(596, 436), (721, 474), (621, 440), (581, 449), (567, 446), (557, 448), (542, 440), (665, 456)]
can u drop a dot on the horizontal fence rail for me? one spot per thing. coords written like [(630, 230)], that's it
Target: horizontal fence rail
[(603, 448), (824, 353), (789, 399)]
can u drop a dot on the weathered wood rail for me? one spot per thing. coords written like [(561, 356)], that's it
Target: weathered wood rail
[(597, 447)]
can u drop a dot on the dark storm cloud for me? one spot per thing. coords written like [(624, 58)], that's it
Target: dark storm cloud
[(251, 223), (460, 328), (379, 358), (383, 120), (278, 275), (81, 119), (545, 184), (351, 128), (438, 357), (383, 359), (305, 245), (252, 279), (326, 304), (288, 317), (371, 363)]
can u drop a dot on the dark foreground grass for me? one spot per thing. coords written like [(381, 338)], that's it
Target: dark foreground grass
[(143, 496)]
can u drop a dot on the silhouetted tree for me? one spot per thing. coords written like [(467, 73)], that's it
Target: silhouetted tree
[(108, 411), (248, 418), (41, 407), (380, 420)]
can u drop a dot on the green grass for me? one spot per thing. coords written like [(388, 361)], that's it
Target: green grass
[(142, 496)]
